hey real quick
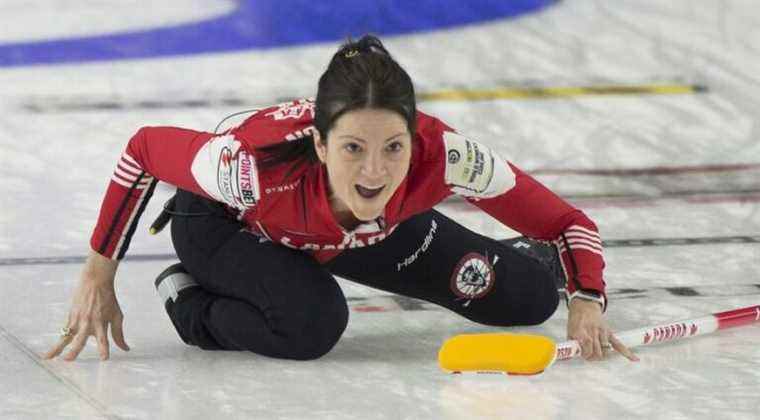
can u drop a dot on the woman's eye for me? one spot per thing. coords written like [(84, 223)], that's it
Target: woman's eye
[(352, 147), (395, 147)]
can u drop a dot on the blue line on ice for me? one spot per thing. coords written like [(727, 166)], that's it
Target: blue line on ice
[(259, 24)]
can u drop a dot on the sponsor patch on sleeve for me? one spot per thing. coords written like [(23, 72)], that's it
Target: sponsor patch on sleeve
[(474, 170), (226, 172)]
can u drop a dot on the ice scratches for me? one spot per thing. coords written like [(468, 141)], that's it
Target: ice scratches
[(712, 290), (70, 385), (622, 243), (63, 104), (78, 259)]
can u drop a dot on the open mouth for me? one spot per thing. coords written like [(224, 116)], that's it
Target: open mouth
[(368, 192)]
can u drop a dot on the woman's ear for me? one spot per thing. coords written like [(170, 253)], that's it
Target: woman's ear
[(319, 146)]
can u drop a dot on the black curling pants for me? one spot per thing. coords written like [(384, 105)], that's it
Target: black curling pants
[(263, 297)]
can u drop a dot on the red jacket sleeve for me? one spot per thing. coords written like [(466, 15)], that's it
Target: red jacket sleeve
[(212, 166), (501, 189)]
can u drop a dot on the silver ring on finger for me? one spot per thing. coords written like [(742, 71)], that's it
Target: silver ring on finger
[(66, 332)]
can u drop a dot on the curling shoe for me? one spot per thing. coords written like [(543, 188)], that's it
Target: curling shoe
[(171, 282)]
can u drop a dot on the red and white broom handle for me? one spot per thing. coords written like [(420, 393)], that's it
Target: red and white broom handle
[(672, 331)]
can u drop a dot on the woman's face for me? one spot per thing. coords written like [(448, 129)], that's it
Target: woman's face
[(367, 156)]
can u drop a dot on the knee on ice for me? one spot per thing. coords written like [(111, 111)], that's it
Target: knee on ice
[(315, 337)]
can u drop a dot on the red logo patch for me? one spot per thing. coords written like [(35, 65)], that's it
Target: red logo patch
[(473, 277)]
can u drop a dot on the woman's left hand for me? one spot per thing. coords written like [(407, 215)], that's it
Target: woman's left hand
[(587, 325)]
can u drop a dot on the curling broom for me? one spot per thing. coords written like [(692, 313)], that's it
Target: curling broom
[(525, 354)]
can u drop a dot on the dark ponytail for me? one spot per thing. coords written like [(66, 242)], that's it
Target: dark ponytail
[(362, 74)]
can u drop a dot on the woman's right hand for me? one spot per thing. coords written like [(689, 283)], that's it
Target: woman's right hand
[(93, 309)]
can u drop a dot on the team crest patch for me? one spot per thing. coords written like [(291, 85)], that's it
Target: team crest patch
[(474, 170), (454, 156), (473, 277)]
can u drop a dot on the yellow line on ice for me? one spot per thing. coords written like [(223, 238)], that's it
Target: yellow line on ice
[(557, 92)]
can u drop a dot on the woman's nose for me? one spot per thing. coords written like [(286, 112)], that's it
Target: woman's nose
[(373, 165)]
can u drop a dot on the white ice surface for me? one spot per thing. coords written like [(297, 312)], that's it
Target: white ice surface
[(35, 20), (55, 166)]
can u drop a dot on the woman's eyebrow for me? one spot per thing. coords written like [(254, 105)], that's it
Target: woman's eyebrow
[(364, 141)]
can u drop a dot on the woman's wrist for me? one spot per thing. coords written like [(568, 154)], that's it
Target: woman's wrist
[(588, 295), (99, 268), (584, 303)]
